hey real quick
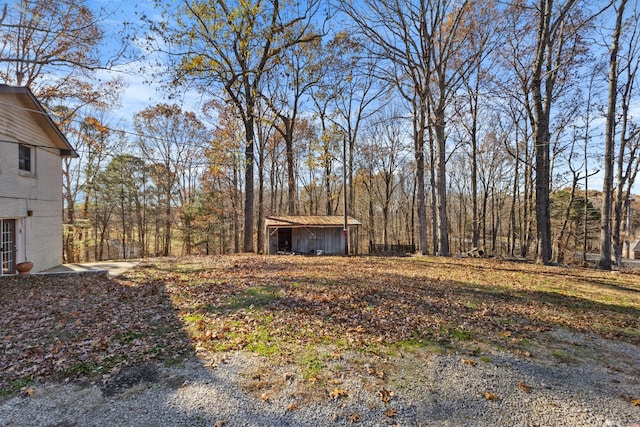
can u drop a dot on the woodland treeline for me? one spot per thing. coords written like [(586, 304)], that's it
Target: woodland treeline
[(509, 126)]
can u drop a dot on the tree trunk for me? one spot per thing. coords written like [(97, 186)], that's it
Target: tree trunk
[(419, 127), (559, 252), (514, 199), (291, 183), (261, 242), (541, 135), (474, 186), (610, 127), (248, 176), (443, 222), (433, 193)]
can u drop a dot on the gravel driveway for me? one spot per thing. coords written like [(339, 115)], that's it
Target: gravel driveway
[(578, 380)]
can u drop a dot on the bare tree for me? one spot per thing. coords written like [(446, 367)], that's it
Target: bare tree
[(170, 140), (607, 187), (425, 50), (627, 162), (229, 47)]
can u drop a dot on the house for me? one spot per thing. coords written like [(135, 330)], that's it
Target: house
[(31, 148), (635, 250), (309, 234)]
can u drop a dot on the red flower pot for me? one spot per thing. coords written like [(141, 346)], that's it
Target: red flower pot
[(24, 267)]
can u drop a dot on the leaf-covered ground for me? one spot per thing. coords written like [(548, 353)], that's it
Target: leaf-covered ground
[(75, 326)]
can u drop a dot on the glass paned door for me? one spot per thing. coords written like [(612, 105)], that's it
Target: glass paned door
[(8, 246)]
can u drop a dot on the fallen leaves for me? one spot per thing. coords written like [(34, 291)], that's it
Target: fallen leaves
[(489, 396), (27, 391), (76, 326), (354, 418), (469, 362), (71, 326), (385, 395), (337, 393), (391, 412), (634, 402), (375, 372), (524, 387)]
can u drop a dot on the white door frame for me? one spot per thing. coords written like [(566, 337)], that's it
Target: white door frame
[(19, 240)]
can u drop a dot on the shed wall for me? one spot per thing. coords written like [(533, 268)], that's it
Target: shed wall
[(310, 240)]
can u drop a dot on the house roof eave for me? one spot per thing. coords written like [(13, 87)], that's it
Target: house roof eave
[(40, 115)]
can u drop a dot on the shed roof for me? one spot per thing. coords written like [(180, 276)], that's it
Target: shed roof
[(636, 246), (294, 221), (31, 106)]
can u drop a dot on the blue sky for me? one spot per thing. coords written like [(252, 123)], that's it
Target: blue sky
[(140, 91)]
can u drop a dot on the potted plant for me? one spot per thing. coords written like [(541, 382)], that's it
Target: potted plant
[(24, 267)]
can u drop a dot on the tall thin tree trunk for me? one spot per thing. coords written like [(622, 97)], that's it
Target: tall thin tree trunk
[(443, 221), (541, 135), (419, 127), (433, 193), (610, 127), (248, 176)]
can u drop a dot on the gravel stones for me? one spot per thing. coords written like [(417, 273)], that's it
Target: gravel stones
[(428, 390)]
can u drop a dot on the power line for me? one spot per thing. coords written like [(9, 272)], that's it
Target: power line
[(78, 121)]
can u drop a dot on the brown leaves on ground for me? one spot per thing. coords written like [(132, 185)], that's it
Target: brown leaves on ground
[(337, 393), (490, 396), (27, 391), (524, 387), (68, 326), (385, 395), (469, 362), (634, 402), (354, 418), (370, 302)]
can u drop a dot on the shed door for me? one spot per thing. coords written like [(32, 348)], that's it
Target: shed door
[(8, 246), (284, 240)]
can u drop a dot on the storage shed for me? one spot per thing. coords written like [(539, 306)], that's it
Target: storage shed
[(309, 234)]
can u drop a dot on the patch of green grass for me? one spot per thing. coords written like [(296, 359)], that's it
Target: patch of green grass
[(414, 344), (470, 304), (262, 343), (455, 334), (193, 317), (252, 298), (127, 337), (85, 369), (311, 364), (460, 335), (16, 386)]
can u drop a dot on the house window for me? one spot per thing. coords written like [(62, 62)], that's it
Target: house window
[(25, 158)]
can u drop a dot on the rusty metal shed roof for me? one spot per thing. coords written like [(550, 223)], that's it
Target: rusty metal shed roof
[(309, 221)]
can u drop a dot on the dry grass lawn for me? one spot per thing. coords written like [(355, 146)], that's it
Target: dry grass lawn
[(290, 307)]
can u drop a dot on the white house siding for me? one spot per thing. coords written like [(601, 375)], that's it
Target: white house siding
[(40, 193)]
